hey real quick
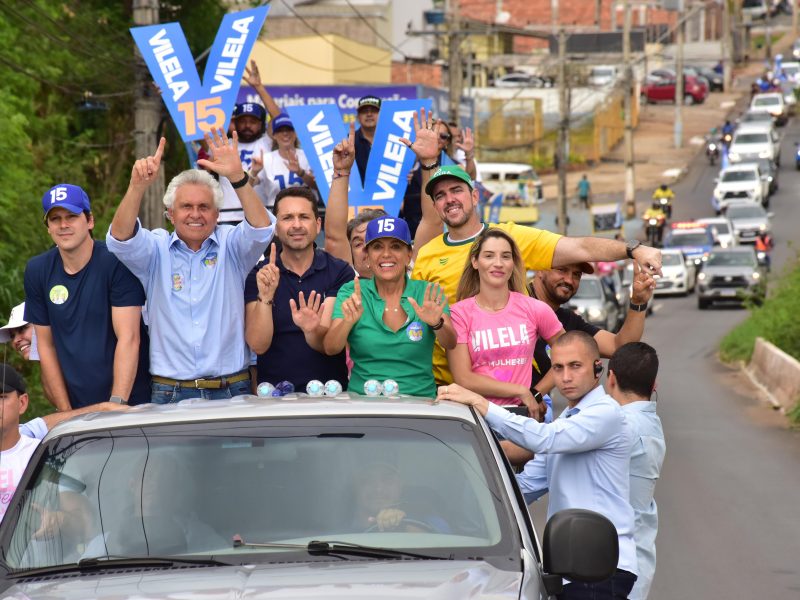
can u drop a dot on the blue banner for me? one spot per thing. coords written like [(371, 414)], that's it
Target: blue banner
[(319, 128), (196, 108)]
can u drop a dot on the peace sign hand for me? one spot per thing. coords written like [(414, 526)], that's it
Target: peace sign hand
[(352, 309), (145, 170), (426, 141), (432, 306), (308, 315), (293, 162), (344, 153), (268, 277)]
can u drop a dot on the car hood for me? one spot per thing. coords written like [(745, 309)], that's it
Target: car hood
[(672, 271), (748, 223), (720, 270), (737, 186), (351, 580)]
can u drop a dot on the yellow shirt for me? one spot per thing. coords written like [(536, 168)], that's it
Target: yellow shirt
[(441, 261)]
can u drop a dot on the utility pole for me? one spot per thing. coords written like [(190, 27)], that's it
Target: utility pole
[(454, 58), (794, 18), (727, 47), (562, 152), (598, 10), (768, 35), (679, 80), (147, 116), (630, 186)]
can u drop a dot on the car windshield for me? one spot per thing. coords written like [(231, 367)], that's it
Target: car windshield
[(721, 228), (745, 212), (602, 72), (688, 239), (767, 101), (730, 176), (790, 69), (668, 259), (589, 288), (757, 116), (188, 489), (731, 259), (751, 138)]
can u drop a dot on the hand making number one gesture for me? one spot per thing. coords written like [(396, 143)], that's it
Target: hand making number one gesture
[(352, 309), (145, 170), (432, 305), (268, 277), (344, 153)]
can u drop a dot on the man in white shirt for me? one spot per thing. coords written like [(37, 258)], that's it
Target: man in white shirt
[(632, 374), (582, 458)]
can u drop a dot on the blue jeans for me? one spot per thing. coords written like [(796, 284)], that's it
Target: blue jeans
[(166, 394)]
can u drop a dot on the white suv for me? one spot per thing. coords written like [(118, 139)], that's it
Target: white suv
[(774, 104), (753, 141), (738, 183)]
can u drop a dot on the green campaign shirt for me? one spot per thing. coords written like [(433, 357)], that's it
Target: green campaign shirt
[(377, 352)]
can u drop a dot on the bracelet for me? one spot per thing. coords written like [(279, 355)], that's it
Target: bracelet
[(537, 395), (267, 302), (241, 183), (638, 307), (439, 325), (429, 167), (338, 174)]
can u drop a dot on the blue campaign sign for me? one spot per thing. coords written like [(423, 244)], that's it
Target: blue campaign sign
[(196, 108), (320, 127)]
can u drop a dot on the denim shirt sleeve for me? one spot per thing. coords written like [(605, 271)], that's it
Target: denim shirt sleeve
[(246, 243), (137, 253)]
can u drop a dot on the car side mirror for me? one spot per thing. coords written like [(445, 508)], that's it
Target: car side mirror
[(580, 545), (770, 215)]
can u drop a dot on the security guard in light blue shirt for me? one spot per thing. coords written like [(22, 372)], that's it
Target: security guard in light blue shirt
[(582, 458)]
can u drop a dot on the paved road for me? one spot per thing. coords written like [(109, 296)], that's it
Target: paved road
[(730, 491)]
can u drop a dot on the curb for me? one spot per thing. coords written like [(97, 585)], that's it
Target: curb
[(776, 374)]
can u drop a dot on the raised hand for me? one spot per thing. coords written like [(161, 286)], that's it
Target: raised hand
[(467, 143), (251, 75), (352, 309), (293, 163), (432, 305), (426, 139), (344, 153), (145, 170), (307, 315), (649, 259), (268, 277), (256, 164), (643, 285), (225, 158)]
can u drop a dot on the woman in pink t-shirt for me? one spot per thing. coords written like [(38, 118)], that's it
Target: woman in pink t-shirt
[(496, 323)]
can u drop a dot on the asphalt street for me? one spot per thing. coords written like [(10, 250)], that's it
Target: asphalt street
[(729, 493)]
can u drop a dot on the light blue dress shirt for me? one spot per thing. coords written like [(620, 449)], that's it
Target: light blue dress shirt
[(195, 300), (582, 461), (646, 460)]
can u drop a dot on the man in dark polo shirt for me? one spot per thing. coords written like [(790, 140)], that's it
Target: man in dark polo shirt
[(368, 109), (557, 286), (289, 298)]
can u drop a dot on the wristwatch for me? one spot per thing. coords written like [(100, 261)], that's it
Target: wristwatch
[(537, 395), (638, 307), (429, 167), (118, 400), (630, 246)]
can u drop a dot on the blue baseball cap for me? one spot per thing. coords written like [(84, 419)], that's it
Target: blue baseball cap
[(251, 109), (68, 196), (282, 120), (387, 227)]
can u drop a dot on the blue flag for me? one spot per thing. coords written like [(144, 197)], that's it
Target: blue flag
[(196, 108)]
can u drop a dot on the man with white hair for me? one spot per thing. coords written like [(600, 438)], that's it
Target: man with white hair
[(194, 278)]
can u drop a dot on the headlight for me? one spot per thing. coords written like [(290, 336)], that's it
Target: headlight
[(762, 227), (701, 277), (733, 156), (763, 154), (712, 147), (595, 314), (653, 221), (718, 194), (756, 275)]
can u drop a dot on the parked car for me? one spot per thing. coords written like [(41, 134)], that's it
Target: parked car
[(774, 104), (272, 497), (520, 186), (663, 90), (596, 302), (721, 231), (755, 9), (748, 220), (602, 75), (716, 82), (753, 141), (678, 276), (740, 182), (516, 80), (730, 274), (668, 73)]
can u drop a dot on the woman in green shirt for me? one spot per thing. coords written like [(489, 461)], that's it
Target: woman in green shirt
[(390, 321)]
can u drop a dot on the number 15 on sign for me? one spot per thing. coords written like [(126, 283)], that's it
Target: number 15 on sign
[(204, 113)]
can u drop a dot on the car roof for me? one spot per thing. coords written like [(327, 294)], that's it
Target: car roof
[(672, 251), (747, 166), (759, 126), (197, 410), (768, 95), (712, 220)]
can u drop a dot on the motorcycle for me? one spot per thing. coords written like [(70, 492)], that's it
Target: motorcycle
[(712, 152), (763, 259), (797, 156), (666, 205), (654, 229)]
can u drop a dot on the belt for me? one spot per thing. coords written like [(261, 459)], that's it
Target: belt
[(212, 383)]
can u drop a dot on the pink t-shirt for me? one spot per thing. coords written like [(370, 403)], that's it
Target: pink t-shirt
[(501, 343)]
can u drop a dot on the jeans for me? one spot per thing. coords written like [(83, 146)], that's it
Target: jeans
[(617, 587), (166, 394)]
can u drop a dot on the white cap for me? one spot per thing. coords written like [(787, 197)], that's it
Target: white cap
[(15, 321)]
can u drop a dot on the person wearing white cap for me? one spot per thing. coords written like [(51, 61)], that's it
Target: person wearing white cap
[(20, 333)]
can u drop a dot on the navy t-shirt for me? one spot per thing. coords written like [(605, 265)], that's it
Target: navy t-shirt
[(541, 353), (77, 308), (289, 357)]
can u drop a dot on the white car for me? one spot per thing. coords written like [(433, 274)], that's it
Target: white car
[(602, 75), (753, 141), (791, 70), (773, 103), (679, 277), (721, 229), (738, 183)]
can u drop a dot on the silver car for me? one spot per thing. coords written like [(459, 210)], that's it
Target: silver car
[(748, 220), (679, 275), (596, 302), (730, 275), (293, 497)]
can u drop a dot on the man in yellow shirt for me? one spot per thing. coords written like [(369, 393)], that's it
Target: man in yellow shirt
[(442, 260)]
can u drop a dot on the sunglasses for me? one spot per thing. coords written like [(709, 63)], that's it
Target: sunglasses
[(445, 136)]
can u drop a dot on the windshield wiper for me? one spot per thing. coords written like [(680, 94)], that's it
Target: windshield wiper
[(112, 562), (332, 547)]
